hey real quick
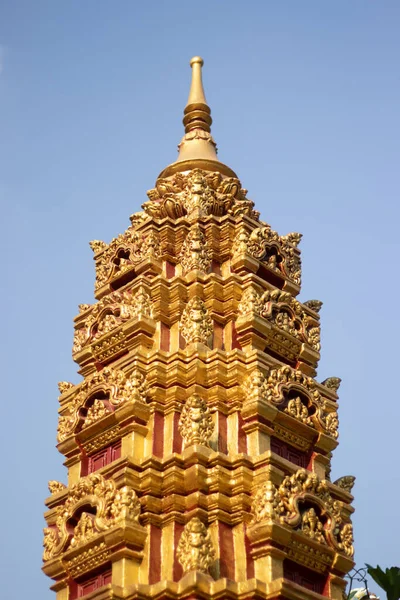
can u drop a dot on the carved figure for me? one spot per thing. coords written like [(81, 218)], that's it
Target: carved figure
[(196, 324), (195, 551), (126, 505), (298, 410), (84, 529), (195, 423), (312, 526), (195, 254), (346, 482), (95, 412)]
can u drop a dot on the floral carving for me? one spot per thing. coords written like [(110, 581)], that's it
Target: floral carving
[(118, 387), (64, 386), (124, 252), (110, 312), (195, 551), (195, 254), (56, 486), (195, 423), (97, 245), (108, 504), (279, 253), (284, 311), (196, 324), (295, 393), (290, 505), (198, 194)]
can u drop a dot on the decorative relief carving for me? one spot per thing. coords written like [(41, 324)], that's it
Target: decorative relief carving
[(109, 313), (95, 412), (312, 526), (56, 486), (281, 309), (198, 194), (309, 557), (301, 501), (297, 409), (195, 551), (294, 393), (124, 252), (115, 385), (109, 504), (88, 560), (196, 324), (84, 530), (64, 386), (315, 305), (195, 254), (279, 253), (97, 245), (332, 383), (195, 423), (346, 482)]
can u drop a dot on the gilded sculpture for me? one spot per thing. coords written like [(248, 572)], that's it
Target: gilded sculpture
[(195, 254), (109, 504), (196, 324), (286, 504), (119, 387), (195, 424), (195, 551)]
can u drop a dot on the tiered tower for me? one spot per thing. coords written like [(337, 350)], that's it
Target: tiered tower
[(198, 444)]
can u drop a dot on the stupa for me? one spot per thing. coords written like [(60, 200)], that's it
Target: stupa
[(198, 442)]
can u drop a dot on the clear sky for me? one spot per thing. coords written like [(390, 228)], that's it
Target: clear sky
[(305, 101)]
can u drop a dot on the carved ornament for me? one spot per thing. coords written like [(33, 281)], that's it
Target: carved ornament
[(109, 313), (108, 507), (304, 403), (63, 386), (346, 483), (195, 551), (301, 502), (195, 423), (198, 194), (118, 388), (56, 486), (284, 311), (124, 252), (279, 253), (195, 254), (332, 383), (196, 324)]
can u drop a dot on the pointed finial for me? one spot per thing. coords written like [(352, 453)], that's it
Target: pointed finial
[(197, 148), (197, 112)]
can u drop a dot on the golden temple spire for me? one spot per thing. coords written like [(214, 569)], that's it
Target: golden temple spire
[(197, 148)]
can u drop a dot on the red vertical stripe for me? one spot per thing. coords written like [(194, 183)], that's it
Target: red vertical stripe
[(158, 438), (165, 336), (222, 433), (226, 551), (155, 554), (250, 561), (169, 269), (177, 441), (235, 341)]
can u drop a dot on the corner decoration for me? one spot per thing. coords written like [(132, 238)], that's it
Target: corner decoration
[(304, 502), (109, 506), (198, 442)]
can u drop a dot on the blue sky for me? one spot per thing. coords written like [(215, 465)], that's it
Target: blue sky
[(305, 98)]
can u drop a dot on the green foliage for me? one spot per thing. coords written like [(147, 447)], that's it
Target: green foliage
[(388, 580)]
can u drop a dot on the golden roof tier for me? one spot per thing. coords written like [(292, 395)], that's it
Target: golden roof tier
[(198, 442)]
